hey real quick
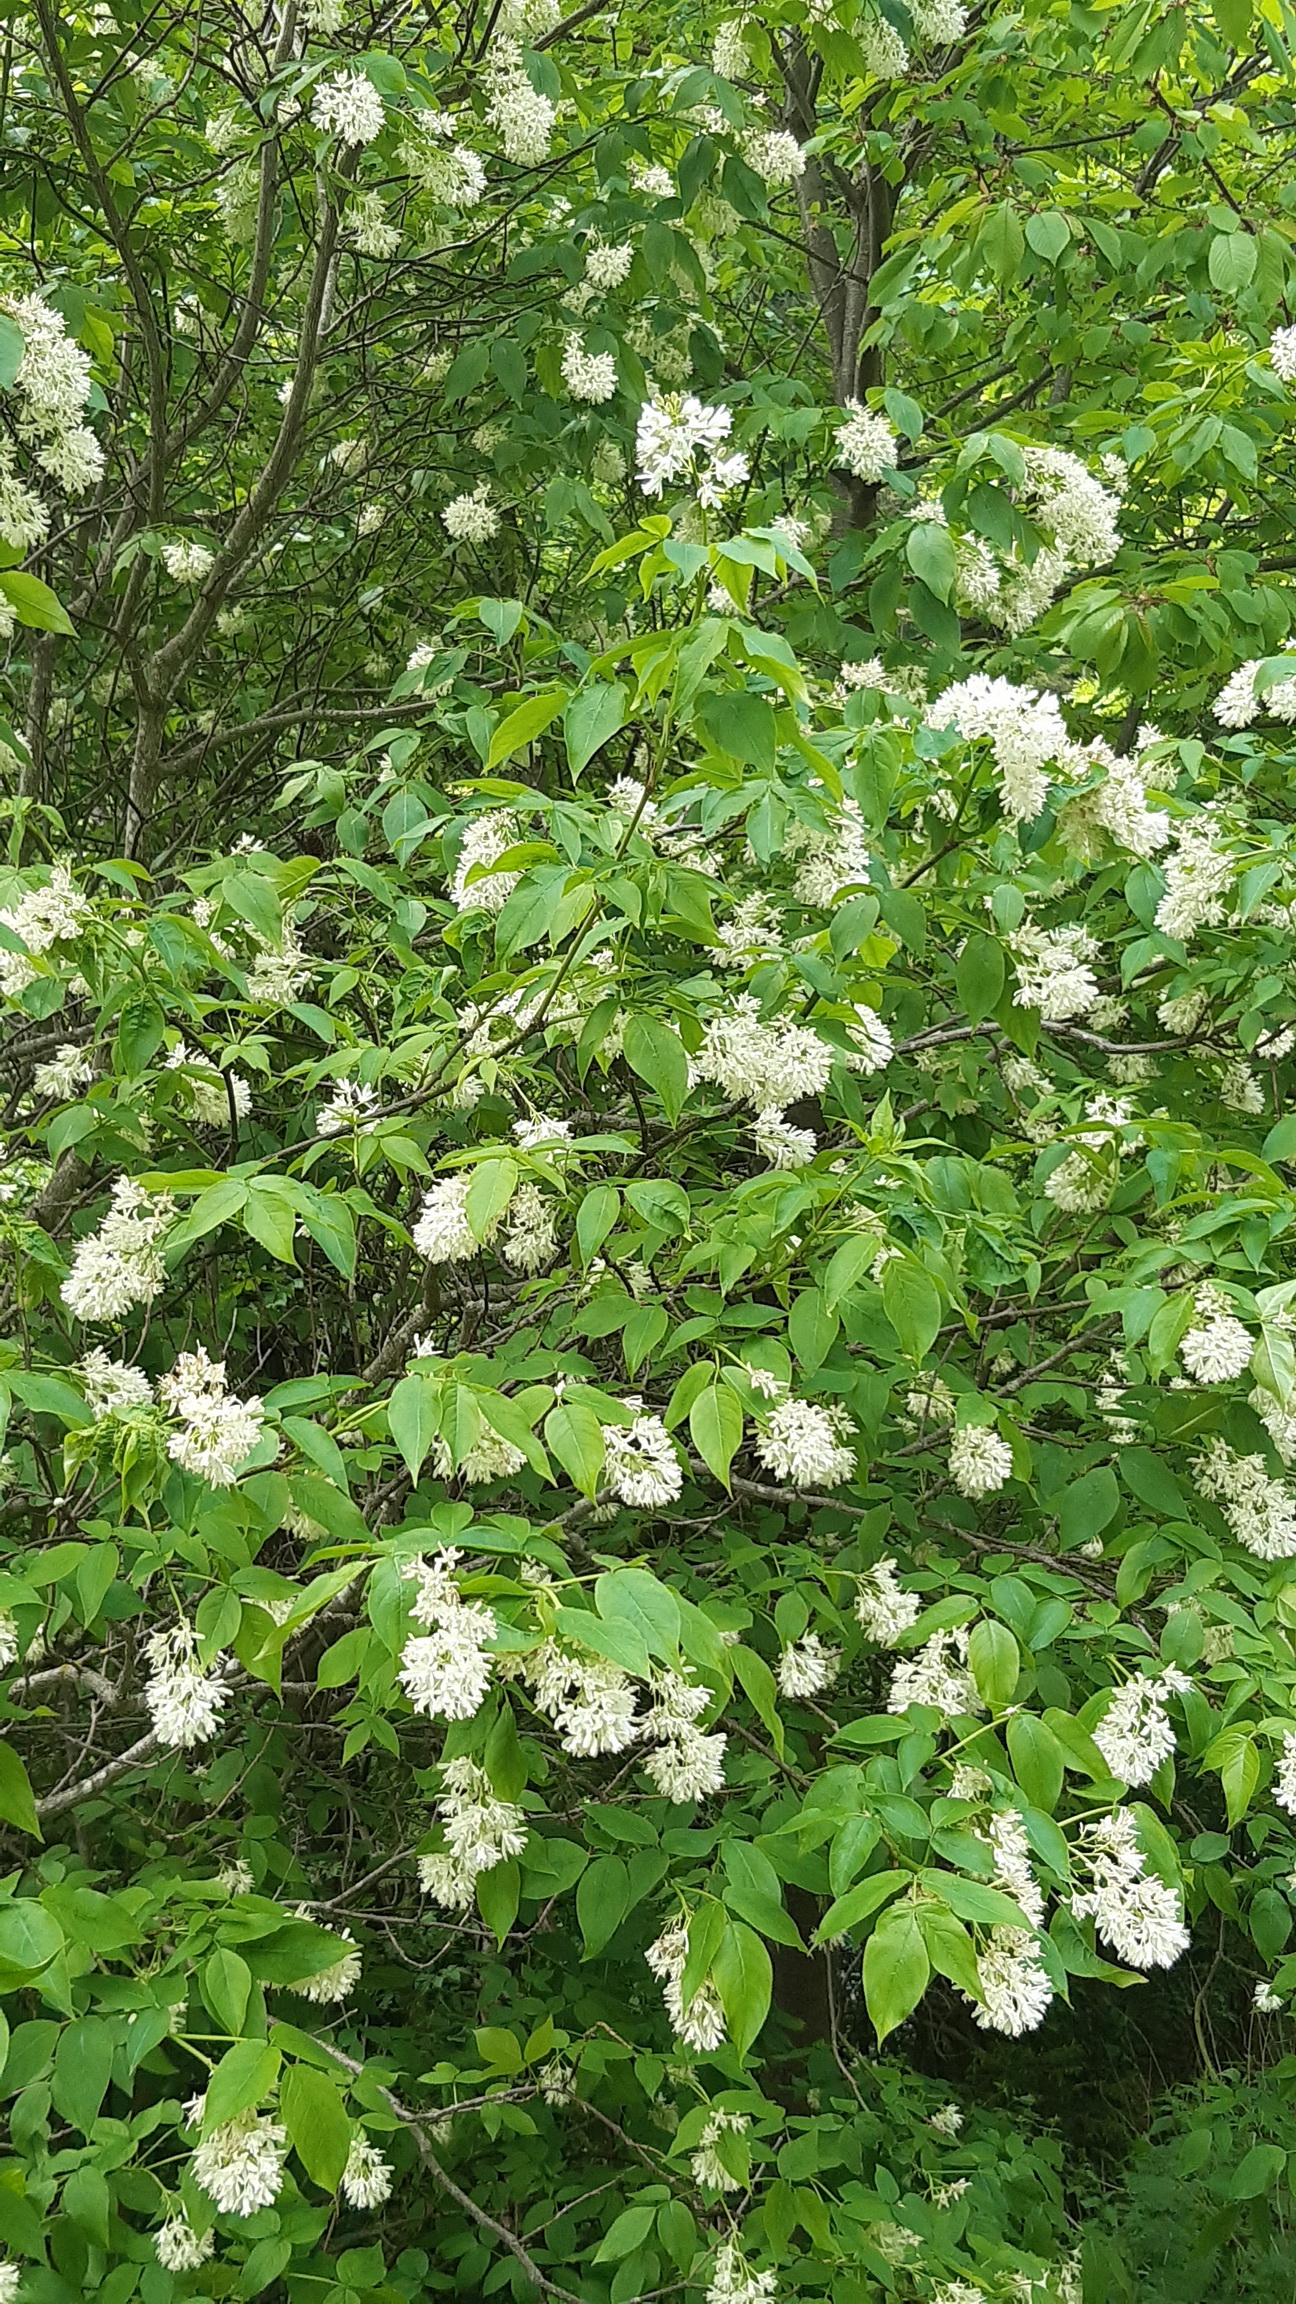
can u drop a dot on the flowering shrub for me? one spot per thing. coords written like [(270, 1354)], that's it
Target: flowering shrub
[(647, 1358)]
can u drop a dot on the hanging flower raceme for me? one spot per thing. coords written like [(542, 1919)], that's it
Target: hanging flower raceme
[(217, 1434), (239, 2164), (980, 1461), (1015, 1987), (1134, 1735), (701, 2023), (481, 1831), (937, 1675), (120, 1265), (883, 1607), (185, 1701), (592, 1704), (806, 1666), (54, 913), (1135, 1912), (642, 1465), (866, 443), (1261, 1512), (1217, 1347), (686, 1764), (446, 1670), (682, 440), (806, 1443)]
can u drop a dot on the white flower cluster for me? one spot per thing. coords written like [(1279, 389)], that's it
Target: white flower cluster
[(209, 1095), (446, 1671), (828, 863), (592, 1704), (121, 1264), (783, 1146), (349, 107), (239, 2165), (866, 443), (530, 1242), (1239, 703), (806, 1667), (1082, 1183), (1134, 1735), (1025, 730), (367, 2176), (1197, 876), (446, 169), (187, 562), (366, 226), (733, 2280), (185, 1703), (980, 1461), (607, 263), (774, 156), (701, 2024), (806, 1444), (1285, 1777), (481, 1831), (1015, 1987), (179, 2248), (1218, 1346), (768, 1065), (350, 1107), (486, 838), (937, 1675), (1013, 1872), (1115, 809), (521, 117), (706, 2164), (490, 1457), (883, 1607), (337, 1982), (1055, 971), (1282, 354), (1260, 1512), (471, 518), (54, 913), (49, 395), (64, 1074), (641, 1462), (687, 1764), (442, 1232), (217, 1433), (681, 440), (1135, 1912), (112, 1385), (590, 376)]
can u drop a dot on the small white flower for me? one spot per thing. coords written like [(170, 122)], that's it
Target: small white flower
[(179, 2248), (980, 1461), (349, 107), (367, 2177)]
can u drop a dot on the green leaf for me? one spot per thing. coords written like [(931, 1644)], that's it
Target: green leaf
[(82, 2068), (493, 1184), (757, 1681), (741, 725), (860, 1903), (270, 1216), (413, 1420), (629, 2232), (227, 1984), (33, 603), (499, 1893), (13, 344), (1232, 262), (593, 716), (17, 1803), (995, 1660), (896, 1970), (1037, 1758), (979, 976), (1088, 1505), (595, 1218), (743, 1975), (602, 1901), (716, 1425), (636, 1597), (929, 550), (574, 1435), (913, 1306), (1234, 20), (217, 1205), (245, 2074), (1001, 241), (524, 725), (1257, 2171), (1048, 234), (318, 2129), (657, 1055)]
